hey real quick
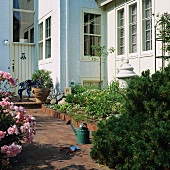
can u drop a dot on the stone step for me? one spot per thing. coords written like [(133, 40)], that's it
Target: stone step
[(26, 103)]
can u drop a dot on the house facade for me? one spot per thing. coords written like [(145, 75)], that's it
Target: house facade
[(57, 35)]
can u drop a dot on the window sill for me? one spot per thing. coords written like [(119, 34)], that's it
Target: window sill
[(45, 61)]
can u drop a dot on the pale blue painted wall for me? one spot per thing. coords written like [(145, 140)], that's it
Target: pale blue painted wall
[(4, 34)]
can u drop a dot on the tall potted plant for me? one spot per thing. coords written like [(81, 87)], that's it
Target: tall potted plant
[(43, 83)]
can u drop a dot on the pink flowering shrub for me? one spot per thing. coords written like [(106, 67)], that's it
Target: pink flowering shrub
[(15, 126), (6, 80)]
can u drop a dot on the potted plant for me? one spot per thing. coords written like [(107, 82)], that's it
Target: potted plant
[(43, 83)]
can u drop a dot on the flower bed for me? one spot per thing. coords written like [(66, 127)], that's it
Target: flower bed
[(65, 117)]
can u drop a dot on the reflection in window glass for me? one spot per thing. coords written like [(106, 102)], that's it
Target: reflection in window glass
[(147, 25), (40, 41), (121, 30), (23, 4), (48, 38), (22, 25), (48, 48), (32, 35), (92, 32), (133, 28)]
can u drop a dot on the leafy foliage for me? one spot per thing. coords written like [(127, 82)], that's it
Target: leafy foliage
[(43, 78), (139, 138), (97, 103)]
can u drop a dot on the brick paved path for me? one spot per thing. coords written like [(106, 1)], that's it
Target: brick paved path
[(45, 154)]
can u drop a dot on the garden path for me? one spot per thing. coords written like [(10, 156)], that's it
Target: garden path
[(44, 153)]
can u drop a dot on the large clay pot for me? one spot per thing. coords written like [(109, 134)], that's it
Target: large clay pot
[(40, 94)]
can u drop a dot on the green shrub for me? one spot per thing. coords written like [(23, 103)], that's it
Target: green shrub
[(78, 89), (60, 107), (139, 138), (103, 103), (97, 103)]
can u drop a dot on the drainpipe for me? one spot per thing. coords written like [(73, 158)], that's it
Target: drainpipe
[(67, 45)]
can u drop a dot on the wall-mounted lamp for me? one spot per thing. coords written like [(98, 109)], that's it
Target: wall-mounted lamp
[(6, 42)]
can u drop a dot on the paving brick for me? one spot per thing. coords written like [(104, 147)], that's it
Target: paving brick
[(44, 153)]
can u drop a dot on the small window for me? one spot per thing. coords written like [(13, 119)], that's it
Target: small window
[(121, 32), (92, 32), (147, 25)]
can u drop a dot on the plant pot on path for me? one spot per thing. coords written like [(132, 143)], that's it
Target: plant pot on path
[(43, 85), (40, 94)]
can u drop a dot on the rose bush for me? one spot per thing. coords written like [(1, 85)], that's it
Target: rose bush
[(15, 126)]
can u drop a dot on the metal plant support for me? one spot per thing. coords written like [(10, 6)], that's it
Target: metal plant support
[(162, 34)]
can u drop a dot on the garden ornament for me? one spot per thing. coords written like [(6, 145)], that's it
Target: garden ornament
[(26, 85), (82, 133)]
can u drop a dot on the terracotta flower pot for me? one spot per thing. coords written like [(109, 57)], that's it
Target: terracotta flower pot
[(40, 94)]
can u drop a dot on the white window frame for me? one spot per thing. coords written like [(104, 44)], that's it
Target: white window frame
[(43, 20), (47, 36), (40, 41), (90, 11), (144, 19), (133, 33), (120, 27)]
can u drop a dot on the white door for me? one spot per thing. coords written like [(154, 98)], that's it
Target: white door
[(23, 63)]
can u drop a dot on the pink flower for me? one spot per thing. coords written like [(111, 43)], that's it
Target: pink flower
[(16, 108), (2, 134), (10, 130), (23, 129), (0, 91), (11, 150), (7, 75), (4, 149), (12, 81), (21, 109), (15, 129)]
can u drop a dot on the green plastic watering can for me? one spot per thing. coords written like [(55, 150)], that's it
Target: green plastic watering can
[(82, 133)]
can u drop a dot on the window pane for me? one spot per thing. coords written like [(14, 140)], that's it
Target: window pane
[(40, 47), (133, 28), (48, 48), (120, 29), (92, 32), (40, 37), (22, 24), (48, 27), (147, 24), (23, 4), (88, 42), (32, 35)]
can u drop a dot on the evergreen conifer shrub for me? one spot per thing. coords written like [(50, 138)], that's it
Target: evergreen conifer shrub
[(140, 138)]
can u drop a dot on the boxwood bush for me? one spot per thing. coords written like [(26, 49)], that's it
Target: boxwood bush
[(140, 137)]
